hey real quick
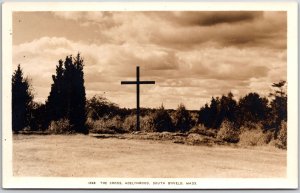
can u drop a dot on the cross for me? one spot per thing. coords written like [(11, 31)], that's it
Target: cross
[(138, 82)]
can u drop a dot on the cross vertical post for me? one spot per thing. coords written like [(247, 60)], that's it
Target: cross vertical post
[(138, 82)]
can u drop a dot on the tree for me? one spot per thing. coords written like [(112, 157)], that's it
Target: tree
[(67, 98), (182, 119), (204, 116), (278, 105), (228, 108), (252, 108), (162, 120), (77, 111), (56, 102), (213, 115), (21, 101), (99, 107)]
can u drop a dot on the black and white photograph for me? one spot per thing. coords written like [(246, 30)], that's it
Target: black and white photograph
[(150, 97)]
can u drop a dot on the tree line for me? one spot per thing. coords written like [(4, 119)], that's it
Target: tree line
[(67, 101)]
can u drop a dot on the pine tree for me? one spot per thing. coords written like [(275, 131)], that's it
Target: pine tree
[(56, 102), (78, 98), (21, 101), (252, 108), (67, 97), (278, 105)]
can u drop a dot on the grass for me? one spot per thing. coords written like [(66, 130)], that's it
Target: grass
[(86, 156)]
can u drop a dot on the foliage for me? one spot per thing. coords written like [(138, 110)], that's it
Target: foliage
[(99, 107), (228, 132), (162, 120), (109, 126), (67, 96), (182, 119), (219, 109), (278, 106), (147, 124), (61, 126), (254, 137), (252, 108), (130, 123), (281, 141), (37, 117), (21, 101)]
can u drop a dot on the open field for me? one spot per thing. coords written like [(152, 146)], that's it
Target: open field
[(86, 156)]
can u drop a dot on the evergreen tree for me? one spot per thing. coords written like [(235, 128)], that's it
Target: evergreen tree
[(228, 108), (56, 102), (252, 108), (67, 97), (204, 115), (278, 105), (21, 101), (78, 98), (214, 122)]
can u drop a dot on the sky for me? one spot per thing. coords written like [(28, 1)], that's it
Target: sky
[(191, 56)]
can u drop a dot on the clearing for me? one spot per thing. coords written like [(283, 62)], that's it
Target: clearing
[(86, 156)]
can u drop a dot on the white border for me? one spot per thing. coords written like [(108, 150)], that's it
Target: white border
[(212, 183)]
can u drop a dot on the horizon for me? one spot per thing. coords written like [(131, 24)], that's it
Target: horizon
[(191, 55)]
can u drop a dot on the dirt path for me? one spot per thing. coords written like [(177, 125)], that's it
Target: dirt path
[(85, 156)]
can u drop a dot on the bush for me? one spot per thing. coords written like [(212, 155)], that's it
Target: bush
[(129, 124), (61, 126), (147, 124), (248, 125), (228, 132), (108, 126), (162, 120), (254, 137), (182, 119), (281, 141)]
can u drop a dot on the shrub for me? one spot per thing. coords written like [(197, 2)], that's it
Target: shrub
[(249, 125), (147, 123), (228, 132), (108, 126), (281, 141), (61, 126), (182, 119), (252, 137), (129, 124), (162, 120)]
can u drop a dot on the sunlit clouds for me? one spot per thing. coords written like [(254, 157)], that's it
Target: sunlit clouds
[(192, 56)]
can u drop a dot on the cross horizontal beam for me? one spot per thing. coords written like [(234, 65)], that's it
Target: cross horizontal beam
[(138, 82)]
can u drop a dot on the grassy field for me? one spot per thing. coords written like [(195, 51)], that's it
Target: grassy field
[(86, 156)]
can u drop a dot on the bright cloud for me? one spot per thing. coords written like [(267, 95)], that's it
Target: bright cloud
[(191, 56)]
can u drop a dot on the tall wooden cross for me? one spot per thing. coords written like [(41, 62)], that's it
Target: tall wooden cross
[(138, 82)]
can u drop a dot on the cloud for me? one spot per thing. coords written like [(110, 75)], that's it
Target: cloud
[(191, 55), (208, 18), (185, 75)]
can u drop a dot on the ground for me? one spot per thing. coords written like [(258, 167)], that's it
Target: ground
[(87, 156)]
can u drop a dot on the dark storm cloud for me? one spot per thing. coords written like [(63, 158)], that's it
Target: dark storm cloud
[(205, 18), (255, 29)]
